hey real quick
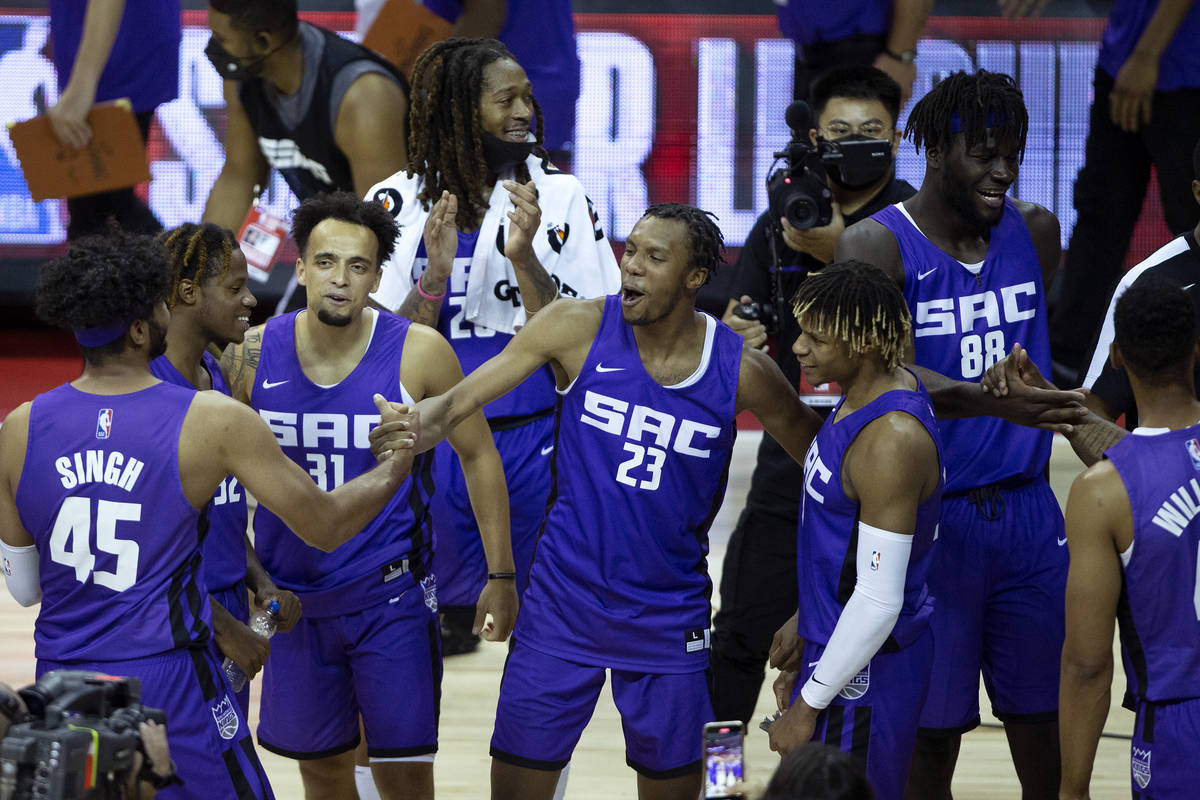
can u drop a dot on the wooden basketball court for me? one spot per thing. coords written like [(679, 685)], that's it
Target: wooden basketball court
[(598, 771)]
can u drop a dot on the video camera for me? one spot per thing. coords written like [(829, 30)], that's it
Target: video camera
[(78, 740), (799, 190)]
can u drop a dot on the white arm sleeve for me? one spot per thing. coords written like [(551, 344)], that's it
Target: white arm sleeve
[(869, 614), (21, 573)]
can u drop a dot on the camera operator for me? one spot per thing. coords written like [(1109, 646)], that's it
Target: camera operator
[(152, 763), (758, 583)]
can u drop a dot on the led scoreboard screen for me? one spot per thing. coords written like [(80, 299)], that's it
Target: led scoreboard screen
[(684, 107)]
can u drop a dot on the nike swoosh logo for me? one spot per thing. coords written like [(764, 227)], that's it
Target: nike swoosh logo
[(1190, 285), (266, 384), (1062, 541), (602, 368), (923, 275), (547, 450)]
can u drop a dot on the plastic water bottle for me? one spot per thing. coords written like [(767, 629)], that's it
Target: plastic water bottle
[(263, 623)]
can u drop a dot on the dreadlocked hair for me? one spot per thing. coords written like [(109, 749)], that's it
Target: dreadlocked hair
[(973, 102), (858, 304), (198, 253), (706, 243), (445, 141)]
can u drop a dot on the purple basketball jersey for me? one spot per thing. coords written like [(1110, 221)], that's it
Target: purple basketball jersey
[(828, 545), (475, 344), (118, 549), (1159, 609), (223, 546), (963, 323), (620, 576), (324, 429)]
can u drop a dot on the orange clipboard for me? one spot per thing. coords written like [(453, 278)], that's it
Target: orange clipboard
[(403, 30), (114, 158)]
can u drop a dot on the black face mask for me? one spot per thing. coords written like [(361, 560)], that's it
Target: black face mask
[(860, 165), (232, 68), (502, 155)]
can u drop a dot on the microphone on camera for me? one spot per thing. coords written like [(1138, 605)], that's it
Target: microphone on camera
[(798, 117)]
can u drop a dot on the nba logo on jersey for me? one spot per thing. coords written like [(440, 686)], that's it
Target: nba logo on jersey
[(226, 718), (858, 685), (1193, 448), (1140, 761), (104, 424), (875, 558)]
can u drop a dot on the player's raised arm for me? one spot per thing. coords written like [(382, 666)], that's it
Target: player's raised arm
[(763, 390), (1097, 505), (559, 335), (223, 437)]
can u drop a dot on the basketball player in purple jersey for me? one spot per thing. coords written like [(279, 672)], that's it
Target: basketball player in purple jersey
[(102, 483), (973, 265), (872, 493), (368, 641), (1134, 540), (648, 391), (210, 302)]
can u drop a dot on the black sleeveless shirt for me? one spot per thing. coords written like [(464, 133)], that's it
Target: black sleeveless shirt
[(307, 155)]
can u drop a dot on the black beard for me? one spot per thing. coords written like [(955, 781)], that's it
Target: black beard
[(958, 196), (329, 318)]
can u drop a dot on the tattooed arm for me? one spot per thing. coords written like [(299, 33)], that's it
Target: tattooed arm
[(537, 288), (239, 364)]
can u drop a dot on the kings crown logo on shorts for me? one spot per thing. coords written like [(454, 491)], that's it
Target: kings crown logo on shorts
[(1140, 762), (858, 685), (226, 718), (429, 587)]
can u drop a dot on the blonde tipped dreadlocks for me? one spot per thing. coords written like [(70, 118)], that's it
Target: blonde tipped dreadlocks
[(858, 304), (197, 253), (445, 144)]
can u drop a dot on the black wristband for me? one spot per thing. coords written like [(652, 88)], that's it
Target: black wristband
[(502, 576), (151, 777)]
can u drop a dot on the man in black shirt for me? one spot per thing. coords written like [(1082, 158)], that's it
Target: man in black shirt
[(758, 583), (327, 113), (1179, 262)]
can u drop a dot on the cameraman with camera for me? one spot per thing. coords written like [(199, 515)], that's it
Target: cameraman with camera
[(77, 734), (852, 141)]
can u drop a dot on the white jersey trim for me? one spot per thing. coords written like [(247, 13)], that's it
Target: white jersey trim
[(974, 269), (374, 323), (710, 334), (1099, 358)]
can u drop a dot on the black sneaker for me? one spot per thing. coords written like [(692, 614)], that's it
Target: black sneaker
[(455, 627)]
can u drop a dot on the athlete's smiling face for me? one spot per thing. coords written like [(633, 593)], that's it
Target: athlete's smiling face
[(656, 270), (975, 178), (225, 303), (823, 357), (506, 101), (340, 269)]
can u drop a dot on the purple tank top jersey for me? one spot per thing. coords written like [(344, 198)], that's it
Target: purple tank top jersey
[(963, 323), (324, 430), (828, 543), (620, 575), (476, 344), (223, 546), (118, 548), (1159, 608)]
